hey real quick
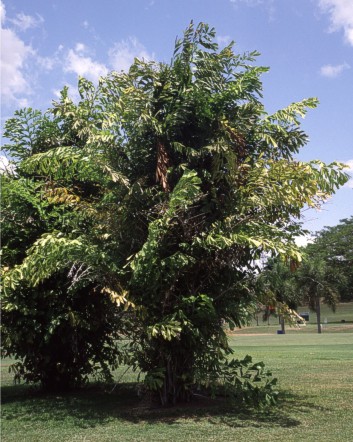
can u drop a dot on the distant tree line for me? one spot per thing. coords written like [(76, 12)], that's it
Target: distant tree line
[(325, 274)]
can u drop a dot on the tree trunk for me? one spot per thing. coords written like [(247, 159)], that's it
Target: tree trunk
[(318, 314), (173, 389), (162, 166), (282, 324)]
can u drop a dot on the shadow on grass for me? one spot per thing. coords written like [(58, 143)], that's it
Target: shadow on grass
[(93, 406)]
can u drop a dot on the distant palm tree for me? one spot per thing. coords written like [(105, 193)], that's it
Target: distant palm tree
[(316, 282), (277, 280)]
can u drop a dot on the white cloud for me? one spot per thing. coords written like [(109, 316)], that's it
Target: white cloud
[(333, 71), (81, 48), (304, 240), (4, 162), (223, 39), (82, 65), (341, 16), (2, 12), (24, 22), (6, 166), (123, 53), (46, 63), (14, 53)]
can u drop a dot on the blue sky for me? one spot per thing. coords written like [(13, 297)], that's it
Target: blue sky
[(308, 44)]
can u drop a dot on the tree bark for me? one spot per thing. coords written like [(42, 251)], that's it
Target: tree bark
[(282, 325), (173, 390), (318, 314), (162, 166)]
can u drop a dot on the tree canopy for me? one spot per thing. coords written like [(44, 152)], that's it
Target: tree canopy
[(334, 245), (157, 191)]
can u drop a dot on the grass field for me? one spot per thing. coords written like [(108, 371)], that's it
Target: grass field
[(316, 400)]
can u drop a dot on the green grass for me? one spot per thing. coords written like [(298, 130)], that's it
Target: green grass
[(316, 402)]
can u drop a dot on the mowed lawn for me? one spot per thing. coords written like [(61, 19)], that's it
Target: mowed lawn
[(315, 375)]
